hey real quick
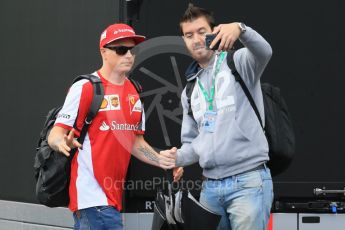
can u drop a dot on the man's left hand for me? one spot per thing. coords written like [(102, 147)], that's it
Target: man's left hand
[(228, 34)]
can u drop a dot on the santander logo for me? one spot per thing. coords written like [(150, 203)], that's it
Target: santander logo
[(118, 126), (104, 127)]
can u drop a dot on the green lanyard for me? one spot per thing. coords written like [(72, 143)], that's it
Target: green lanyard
[(209, 97)]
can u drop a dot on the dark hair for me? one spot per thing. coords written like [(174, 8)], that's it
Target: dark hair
[(194, 12)]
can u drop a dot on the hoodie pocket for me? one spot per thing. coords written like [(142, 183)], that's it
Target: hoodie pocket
[(239, 134)]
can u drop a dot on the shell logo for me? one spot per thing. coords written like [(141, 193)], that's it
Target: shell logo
[(104, 104)]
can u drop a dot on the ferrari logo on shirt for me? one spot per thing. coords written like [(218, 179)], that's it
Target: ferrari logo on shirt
[(131, 99), (110, 102), (134, 103)]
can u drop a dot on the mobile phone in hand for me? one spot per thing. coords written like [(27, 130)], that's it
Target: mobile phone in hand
[(208, 40)]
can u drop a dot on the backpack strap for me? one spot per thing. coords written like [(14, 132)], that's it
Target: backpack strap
[(136, 85), (138, 88), (238, 78), (98, 96), (189, 90)]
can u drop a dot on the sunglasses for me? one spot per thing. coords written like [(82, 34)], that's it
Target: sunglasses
[(121, 50)]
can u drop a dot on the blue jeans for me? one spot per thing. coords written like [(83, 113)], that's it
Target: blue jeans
[(98, 218), (243, 200)]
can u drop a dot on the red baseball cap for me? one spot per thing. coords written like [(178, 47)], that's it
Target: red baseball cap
[(119, 31)]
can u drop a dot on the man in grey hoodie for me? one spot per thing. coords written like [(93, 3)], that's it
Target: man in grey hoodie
[(223, 133)]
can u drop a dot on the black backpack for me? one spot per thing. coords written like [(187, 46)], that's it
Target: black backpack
[(52, 169), (278, 127)]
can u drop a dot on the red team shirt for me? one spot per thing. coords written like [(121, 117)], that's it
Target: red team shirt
[(99, 169)]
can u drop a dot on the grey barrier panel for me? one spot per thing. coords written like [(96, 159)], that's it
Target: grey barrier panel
[(27, 216)]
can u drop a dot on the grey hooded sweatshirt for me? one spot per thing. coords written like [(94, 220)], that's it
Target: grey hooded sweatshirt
[(238, 142)]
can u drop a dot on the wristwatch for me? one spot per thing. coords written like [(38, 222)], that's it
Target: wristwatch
[(243, 27)]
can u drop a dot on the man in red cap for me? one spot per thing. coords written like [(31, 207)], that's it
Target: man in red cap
[(99, 167)]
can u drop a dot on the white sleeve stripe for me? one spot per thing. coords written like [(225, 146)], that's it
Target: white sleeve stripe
[(69, 111), (142, 122)]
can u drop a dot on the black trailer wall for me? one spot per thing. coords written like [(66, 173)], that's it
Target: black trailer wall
[(308, 40), (45, 44)]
